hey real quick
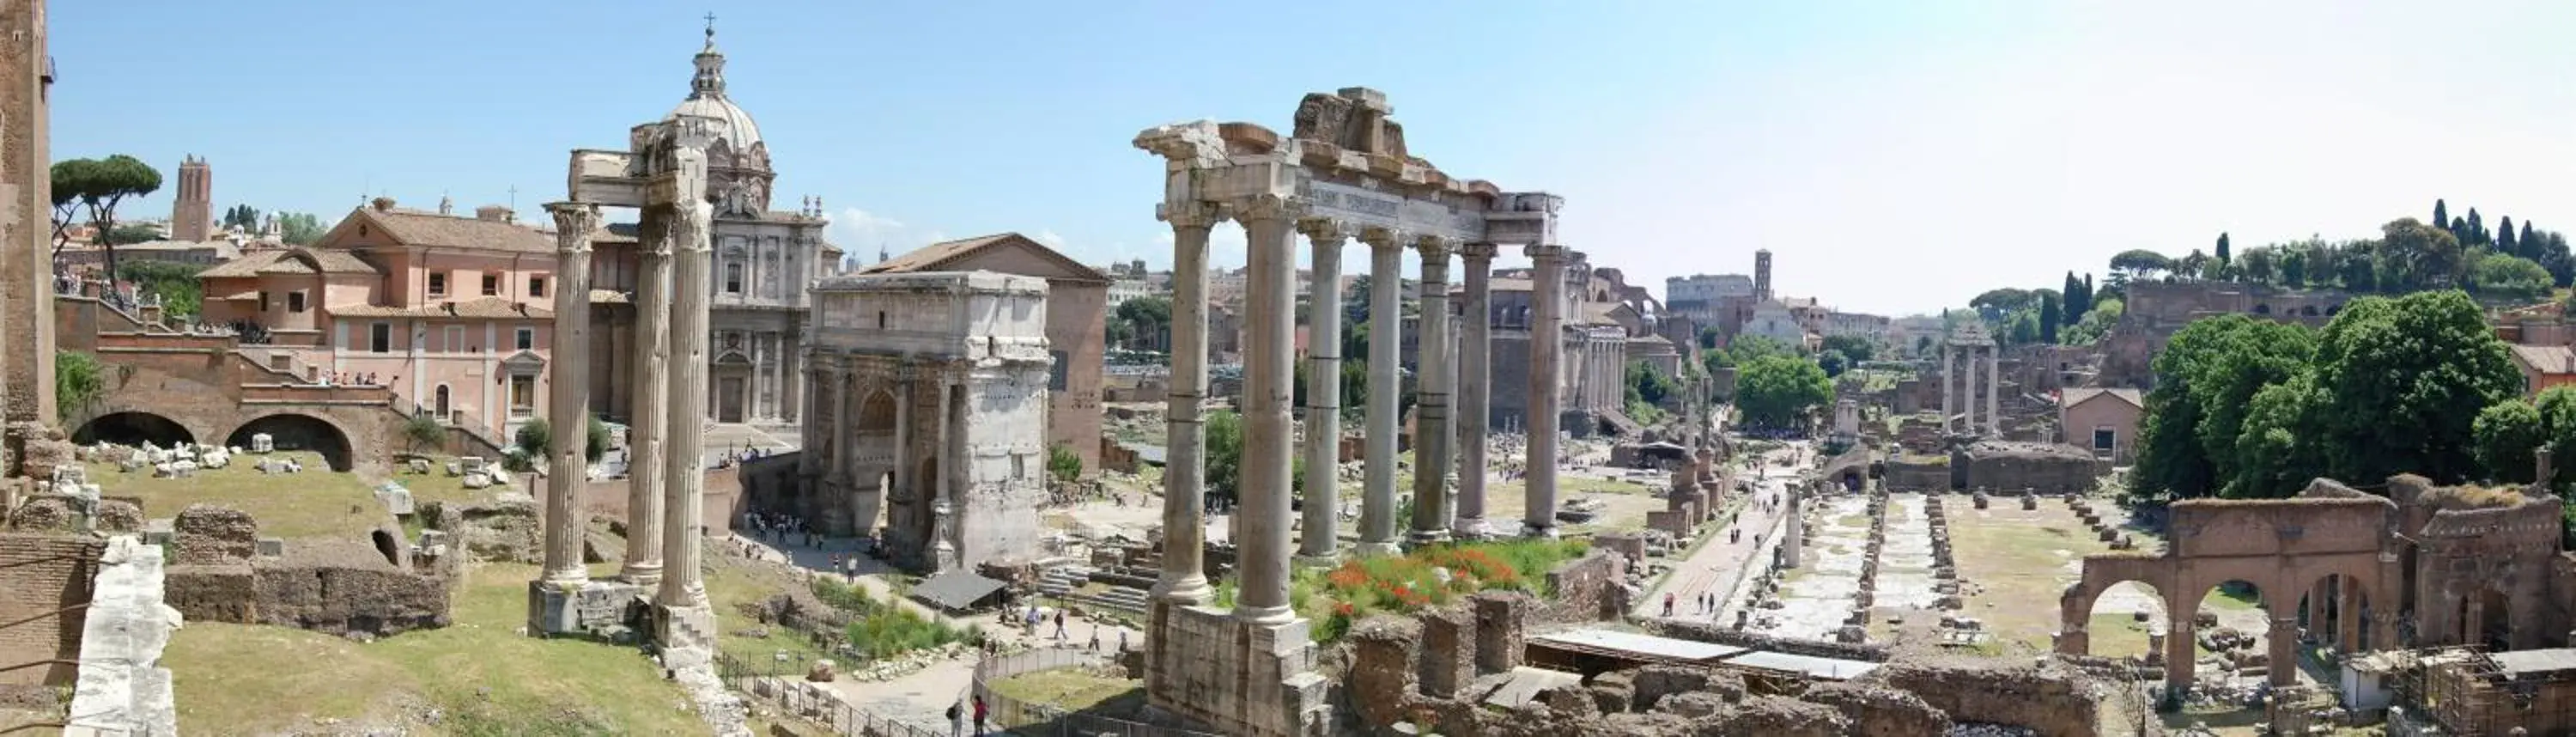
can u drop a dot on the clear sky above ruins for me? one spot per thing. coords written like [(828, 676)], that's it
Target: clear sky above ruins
[(1896, 156)]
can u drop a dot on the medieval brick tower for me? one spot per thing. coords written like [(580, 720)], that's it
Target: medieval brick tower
[(1762, 275), (192, 212)]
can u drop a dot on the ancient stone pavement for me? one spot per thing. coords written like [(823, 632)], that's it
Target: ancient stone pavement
[(1722, 564)]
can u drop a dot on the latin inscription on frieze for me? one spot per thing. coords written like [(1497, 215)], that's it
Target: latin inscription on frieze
[(1359, 206)]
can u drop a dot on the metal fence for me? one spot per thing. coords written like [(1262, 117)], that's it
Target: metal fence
[(784, 688), (1042, 720)]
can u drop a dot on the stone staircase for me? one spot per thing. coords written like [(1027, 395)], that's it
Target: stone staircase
[(1065, 583)]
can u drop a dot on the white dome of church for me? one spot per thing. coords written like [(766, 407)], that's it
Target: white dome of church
[(707, 100)]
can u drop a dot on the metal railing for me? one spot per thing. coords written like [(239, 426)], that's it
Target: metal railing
[(784, 688), (1040, 720)]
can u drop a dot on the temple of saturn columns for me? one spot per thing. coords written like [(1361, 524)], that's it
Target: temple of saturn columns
[(1343, 174), (664, 176), (1966, 353)]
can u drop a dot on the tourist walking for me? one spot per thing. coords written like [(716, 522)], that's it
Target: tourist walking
[(1668, 603), (957, 718), (1059, 625), (980, 714)]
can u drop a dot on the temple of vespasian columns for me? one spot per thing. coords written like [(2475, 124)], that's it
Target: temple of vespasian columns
[(1343, 173), (664, 175)]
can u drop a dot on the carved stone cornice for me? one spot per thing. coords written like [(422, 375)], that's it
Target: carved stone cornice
[(1191, 214), (1269, 208), (575, 224), (1539, 252), (1474, 252)]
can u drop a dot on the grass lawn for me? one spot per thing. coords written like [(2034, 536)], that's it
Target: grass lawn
[(732, 582), (315, 503), (2019, 559), (481, 676), (1073, 689), (2117, 634)]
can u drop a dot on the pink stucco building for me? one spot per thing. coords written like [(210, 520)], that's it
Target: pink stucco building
[(450, 312)]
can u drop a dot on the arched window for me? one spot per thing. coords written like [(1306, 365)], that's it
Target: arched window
[(438, 404)]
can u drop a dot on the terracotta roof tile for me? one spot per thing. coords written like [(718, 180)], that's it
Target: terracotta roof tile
[(414, 227), (937, 256), (2547, 359), (297, 260)]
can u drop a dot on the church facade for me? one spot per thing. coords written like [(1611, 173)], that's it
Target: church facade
[(765, 260)]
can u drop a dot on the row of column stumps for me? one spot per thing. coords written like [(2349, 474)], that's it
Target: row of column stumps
[(1271, 223)]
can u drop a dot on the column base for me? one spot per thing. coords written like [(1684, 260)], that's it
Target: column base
[(1265, 616), (1318, 561), (1421, 538), (1190, 590), (684, 629), (644, 576), (1470, 528), (1537, 532), (599, 610), (1368, 549)]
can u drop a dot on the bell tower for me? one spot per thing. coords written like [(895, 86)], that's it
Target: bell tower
[(192, 209)]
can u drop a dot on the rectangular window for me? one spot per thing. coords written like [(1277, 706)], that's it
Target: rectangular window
[(536, 286), (733, 278), (2103, 438), (527, 339), (438, 284), (295, 301), (491, 285), (263, 301), (523, 395), (380, 337), (1056, 373)]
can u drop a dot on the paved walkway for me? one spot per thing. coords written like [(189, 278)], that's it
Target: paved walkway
[(1721, 565)]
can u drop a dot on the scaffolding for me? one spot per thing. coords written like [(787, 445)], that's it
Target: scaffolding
[(2465, 690)]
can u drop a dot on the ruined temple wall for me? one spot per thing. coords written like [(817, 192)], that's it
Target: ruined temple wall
[(44, 572), (2055, 702), (1916, 475), (1587, 589), (2046, 469)]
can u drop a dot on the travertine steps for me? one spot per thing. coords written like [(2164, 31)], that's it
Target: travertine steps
[(1066, 582)]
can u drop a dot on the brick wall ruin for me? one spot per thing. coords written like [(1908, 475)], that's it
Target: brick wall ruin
[(2054, 701), (1587, 589), (335, 586), (45, 571)]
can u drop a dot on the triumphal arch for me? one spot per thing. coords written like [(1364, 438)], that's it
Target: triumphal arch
[(1343, 173)]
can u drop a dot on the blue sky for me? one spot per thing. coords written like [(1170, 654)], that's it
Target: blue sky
[(1896, 156)]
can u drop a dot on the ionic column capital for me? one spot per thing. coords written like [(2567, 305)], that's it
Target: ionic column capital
[(1433, 248), (575, 224), (1270, 207), (1200, 215), (1383, 239), (1327, 230), (1475, 252)]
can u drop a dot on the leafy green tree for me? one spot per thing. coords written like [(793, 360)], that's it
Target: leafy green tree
[(2530, 241), (2275, 453), (2511, 277), (2049, 314), (1833, 363), (176, 284), (2225, 256), (2259, 265), (1645, 384), (79, 380), (2505, 241), (2206, 378), (2294, 268), (1064, 464), (100, 185), (299, 228), (2505, 435), (423, 430), (536, 438), (127, 235), (2441, 212), (2401, 382), (1709, 335), (1854, 348), (2075, 301), (244, 217), (1224, 454), (2096, 323), (2138, 263), (1775, 391), (2476, 235), (1995, 304), (2421, 257)]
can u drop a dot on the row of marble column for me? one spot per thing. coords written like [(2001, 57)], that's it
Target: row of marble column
[(1271, 225), (1959, 388), (666, 438)]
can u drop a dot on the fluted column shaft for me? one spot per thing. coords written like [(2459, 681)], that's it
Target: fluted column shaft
[(1269, 385), (1546, 390), (684, 503), (1323, 395), (1475, 398), (1184, 579), (1385, 385), (570, 392), (1431, 430), (649, 417)]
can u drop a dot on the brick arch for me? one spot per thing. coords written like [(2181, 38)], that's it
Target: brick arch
[(2101, 572), (302, 431), (131, 427)]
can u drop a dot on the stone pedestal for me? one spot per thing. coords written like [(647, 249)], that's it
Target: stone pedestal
[(1237, 677), (595, 609)]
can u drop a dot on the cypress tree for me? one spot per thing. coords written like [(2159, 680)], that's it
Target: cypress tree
[(2441, 214), (2505, 243)]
